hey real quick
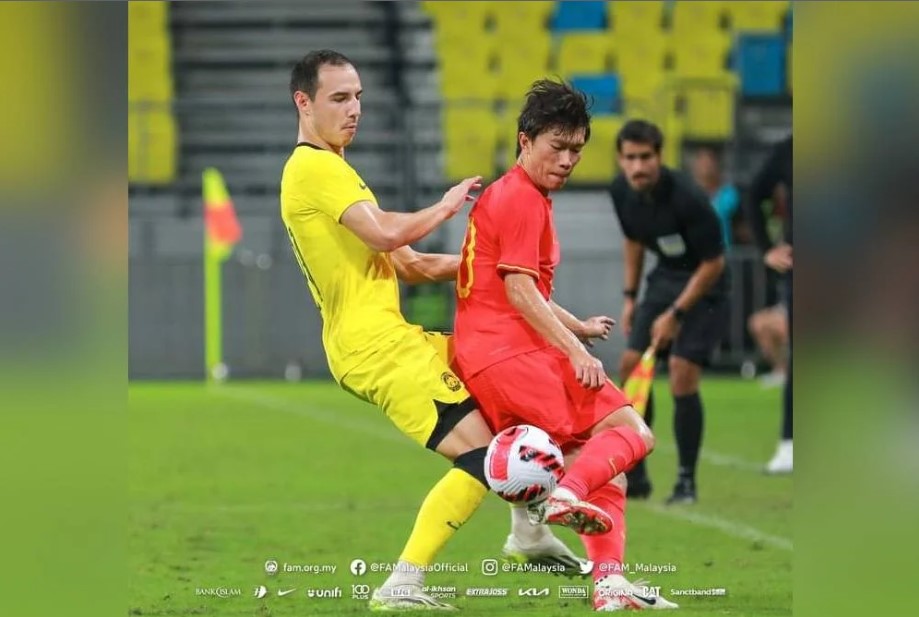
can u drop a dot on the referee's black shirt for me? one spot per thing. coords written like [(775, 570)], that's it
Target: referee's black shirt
[(675, 220)]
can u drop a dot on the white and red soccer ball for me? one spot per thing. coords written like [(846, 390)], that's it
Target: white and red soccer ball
[(523, 464)]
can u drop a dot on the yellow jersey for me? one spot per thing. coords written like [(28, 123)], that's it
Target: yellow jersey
[(355, 287)]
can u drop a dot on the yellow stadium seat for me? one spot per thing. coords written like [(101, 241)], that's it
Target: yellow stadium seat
[(519, 67), (586, 52), (151, 146), (466, 72), (641, 64), (470, 141), (149, 76), (761, 15), (701, 57), (635, 18), (598, 160), (154, 14), (518, 20), (709, 113), (464, 20), (698, 18)]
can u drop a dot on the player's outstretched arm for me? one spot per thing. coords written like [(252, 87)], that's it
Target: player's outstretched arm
[(586, 330), (413, 267), (386, 231), (525, 297)]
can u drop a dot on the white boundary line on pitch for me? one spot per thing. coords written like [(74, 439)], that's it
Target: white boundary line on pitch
[(719, 459), (306, 410), (315, 413), (723, 525)]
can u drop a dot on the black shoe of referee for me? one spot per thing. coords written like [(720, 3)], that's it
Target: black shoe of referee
[(684, 491), (639, 485)]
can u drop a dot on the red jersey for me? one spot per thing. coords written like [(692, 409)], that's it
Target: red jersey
[(510, 229)]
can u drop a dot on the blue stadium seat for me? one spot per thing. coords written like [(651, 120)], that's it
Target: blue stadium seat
[(579, 16), (605, 90), (760, 62)]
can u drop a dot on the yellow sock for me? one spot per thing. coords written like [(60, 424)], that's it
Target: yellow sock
[(446, 508)]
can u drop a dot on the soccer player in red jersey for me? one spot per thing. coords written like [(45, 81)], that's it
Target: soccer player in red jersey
[(523, 356)]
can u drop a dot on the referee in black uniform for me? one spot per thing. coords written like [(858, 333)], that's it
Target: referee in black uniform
[(684, 310)]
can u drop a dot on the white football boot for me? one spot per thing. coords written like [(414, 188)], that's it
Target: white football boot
[(546, 550), (783, 461), (615, 593), (399, 598)]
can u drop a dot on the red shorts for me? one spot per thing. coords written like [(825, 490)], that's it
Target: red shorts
[(541, 388)]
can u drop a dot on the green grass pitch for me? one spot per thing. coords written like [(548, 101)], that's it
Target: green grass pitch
[(224, 478)]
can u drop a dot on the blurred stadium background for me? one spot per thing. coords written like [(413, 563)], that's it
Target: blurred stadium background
[(208, 86)]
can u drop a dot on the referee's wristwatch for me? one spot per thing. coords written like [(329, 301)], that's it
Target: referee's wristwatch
[(678, 313)]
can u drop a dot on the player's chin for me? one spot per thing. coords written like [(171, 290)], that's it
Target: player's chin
[(557, 182)]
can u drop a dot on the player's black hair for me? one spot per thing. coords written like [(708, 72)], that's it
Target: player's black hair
[(640, 132), (304, 77), (553, 105)]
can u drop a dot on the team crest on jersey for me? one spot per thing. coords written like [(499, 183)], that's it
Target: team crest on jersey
[(451, 381)]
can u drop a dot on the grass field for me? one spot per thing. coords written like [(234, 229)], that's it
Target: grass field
[(225, 478)]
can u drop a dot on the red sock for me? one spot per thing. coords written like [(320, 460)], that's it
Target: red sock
[(607, 551), (603, 457)]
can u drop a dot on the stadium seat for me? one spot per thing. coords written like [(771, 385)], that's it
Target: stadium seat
[(598, 161), (519, 66), (518, 20), (701, 57), (708, 113), (470, 140), (469, 15), (466, 72), (760, 60), (699, 18), (641, 64), (635, 18), (763, 16), (152, 131), (152, 146), (583, 52), (604, 91), (582, 15)]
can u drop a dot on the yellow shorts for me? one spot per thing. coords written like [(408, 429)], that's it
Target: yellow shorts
[(411, 381)]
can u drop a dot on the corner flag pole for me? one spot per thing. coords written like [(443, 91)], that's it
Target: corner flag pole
[(221, 232)]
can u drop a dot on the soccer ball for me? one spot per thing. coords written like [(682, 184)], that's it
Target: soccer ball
[(523, 464)]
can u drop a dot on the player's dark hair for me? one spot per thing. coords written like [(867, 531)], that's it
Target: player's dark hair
[(304, 77), (640, 132), (553, 105)]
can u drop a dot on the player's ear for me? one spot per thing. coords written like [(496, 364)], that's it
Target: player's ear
[(302, 101)]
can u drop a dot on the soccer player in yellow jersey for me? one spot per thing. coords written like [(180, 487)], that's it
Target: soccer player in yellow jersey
[(352, 255)]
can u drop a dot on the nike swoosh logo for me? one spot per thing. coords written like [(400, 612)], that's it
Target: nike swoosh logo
[(454, 525), (587, 567), (362, 186), (284, 593)]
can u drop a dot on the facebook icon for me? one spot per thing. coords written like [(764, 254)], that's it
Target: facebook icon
[(358, 567)]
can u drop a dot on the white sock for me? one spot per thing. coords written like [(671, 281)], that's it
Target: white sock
[(405, 573), (564, 494), (521, 528)]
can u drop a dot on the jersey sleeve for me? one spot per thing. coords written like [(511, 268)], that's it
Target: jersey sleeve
[(703, 230), (328, 184), (519, 230)]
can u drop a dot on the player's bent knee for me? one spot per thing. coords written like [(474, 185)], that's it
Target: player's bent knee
[(473, 463), (449, 415)]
